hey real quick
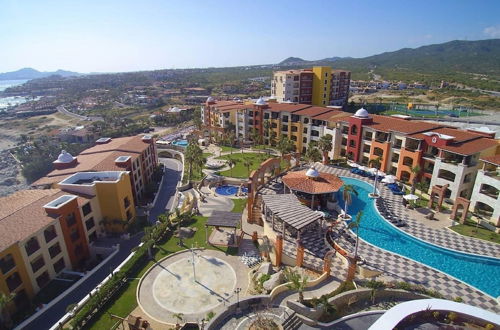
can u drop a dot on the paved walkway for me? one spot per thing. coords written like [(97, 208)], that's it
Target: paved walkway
[(171, 176), (217, 276), (326, 286)]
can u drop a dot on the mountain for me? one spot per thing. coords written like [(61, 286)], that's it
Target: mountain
[(293, 61), (29, 73)]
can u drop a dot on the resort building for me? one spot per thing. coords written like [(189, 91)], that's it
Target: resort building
[(45, 231), (320, 85), (445, 155), (485, 194), (135, 154)]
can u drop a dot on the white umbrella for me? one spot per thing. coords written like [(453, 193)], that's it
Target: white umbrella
[(352, 164), (387, 179), (393, 177), (410, 197)]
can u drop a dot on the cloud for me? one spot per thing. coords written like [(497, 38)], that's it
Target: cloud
[(492, 31)]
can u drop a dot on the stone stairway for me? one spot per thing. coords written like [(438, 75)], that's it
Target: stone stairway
[(292, 322)]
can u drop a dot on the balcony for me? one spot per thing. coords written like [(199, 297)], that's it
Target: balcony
[(7, 263), (446, 175), (489, 191), (428, 170), (32, 246)]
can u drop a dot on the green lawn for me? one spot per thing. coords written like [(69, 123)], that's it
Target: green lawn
[(125, 301), (239, 170), (469, 229), (239, 205), (228, 149), (207, 154)]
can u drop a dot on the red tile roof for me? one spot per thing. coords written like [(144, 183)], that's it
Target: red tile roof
[(495, 160), (323, 184), (23, 214), (286, 107)]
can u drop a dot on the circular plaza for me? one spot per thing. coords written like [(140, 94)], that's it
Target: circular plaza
[(191, 283)]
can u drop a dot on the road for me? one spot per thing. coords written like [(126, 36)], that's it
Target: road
[(53, 314), (63, 110), (171, 177)]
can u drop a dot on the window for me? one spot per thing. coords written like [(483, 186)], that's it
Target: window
[(86, 209), (306, 120), (75, 234), (126, 202), (7, 263), (13, 281), (354, 129), (284, 128), (70, 219), (305, 130), (294, 129), (54, 250), (304, 140), (90, 223), (352, 143), (59, 265), (285, 119), (37, 264), (50, 234), (293, 138), (92, 237), (314, 133), (326, 82), (32, 246), (43, 279)]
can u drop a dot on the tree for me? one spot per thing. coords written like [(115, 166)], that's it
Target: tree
[(415, 171), (347, 193), (326, 306), (178, 317), (197, 118), (267, 130), (255, 135), (247, 163), (312, 154), (355, 224), (5, 300), (375, 162), (230, 162), (272, 138), (285, 145), (325, 145), (297, 282), (194, 157)]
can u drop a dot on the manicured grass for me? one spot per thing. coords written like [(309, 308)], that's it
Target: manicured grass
[(125, 301), (228, 149), (207, 154), (469, 229), (239, 170), (239, 205)]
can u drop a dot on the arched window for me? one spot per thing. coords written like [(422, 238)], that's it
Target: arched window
[(354, 129)]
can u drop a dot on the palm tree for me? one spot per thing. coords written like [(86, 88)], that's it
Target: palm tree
[(230, 162), (194, 157), (375, 162), (247, 163), (178, 317), (5, 300), (255, 135), (297, 283), (285, 145), (312, 153), (415, 171), (347, 193), (355, 224), (326, 306), (325, 145), (267, 130)]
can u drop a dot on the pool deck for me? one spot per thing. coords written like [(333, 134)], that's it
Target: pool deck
[(398, 268)]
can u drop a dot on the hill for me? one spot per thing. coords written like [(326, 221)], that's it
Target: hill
[(473, 63), (293, 61), (29, 73)]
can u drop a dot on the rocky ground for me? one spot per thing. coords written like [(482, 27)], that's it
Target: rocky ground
[(11, 179)]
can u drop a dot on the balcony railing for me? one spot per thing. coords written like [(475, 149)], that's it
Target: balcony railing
[(489, 193), (447, 177)]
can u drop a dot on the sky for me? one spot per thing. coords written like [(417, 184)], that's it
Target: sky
[(115, 36)]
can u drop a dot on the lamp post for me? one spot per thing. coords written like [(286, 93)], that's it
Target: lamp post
[(192, 261), (237, 291)]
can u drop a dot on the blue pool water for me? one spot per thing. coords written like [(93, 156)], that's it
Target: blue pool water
[(180, 143), (228, 190), (480, 272)]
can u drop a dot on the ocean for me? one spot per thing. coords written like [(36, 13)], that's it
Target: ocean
[(5, 102)]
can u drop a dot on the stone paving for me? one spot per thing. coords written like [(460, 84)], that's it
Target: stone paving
[(171, 287), (398, 268)]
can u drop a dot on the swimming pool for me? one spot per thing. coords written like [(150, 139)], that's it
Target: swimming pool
[(180, 143), (480, 272), (228, 190)]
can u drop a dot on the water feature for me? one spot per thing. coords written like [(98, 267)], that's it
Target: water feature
[(228, 190), (478, 271), (180, 143)]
